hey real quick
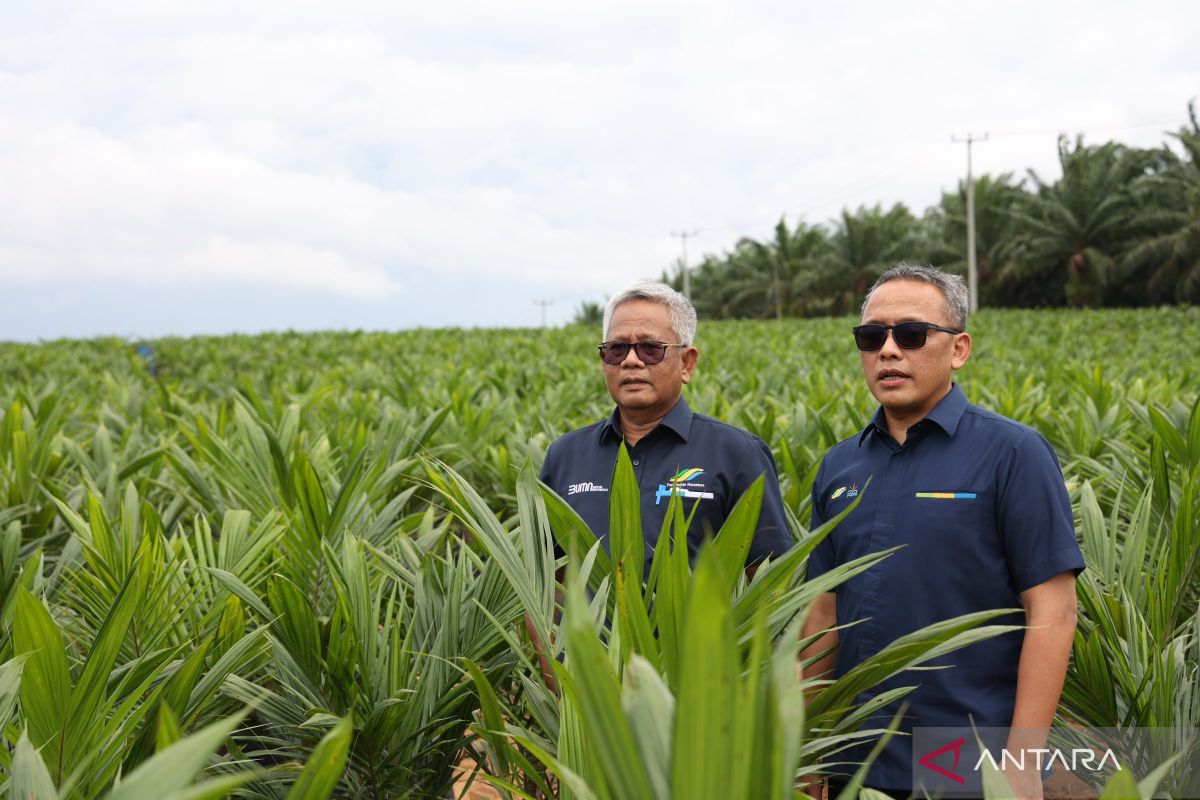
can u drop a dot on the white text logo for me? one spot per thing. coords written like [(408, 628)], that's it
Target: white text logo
[(587, 486)]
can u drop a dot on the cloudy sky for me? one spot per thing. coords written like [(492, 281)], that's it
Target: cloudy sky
[(205, 167)]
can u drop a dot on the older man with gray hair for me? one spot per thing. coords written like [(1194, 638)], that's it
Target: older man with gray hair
[(647, 356)]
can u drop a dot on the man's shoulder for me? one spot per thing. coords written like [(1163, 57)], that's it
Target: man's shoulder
[(998, 427), (713, 428), (846, 449), (573, 446), (588, 436)]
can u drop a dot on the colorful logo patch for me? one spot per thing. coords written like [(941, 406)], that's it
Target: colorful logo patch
[(684, 485), (685, 475), (850, 491), (946, 495)]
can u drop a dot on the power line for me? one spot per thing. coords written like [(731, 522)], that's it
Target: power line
[(897, 165), (894, 165), (1093, 129)]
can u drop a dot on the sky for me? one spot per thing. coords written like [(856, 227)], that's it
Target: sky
[(171, 168)]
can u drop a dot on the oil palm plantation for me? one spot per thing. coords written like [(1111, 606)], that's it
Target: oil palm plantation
[(864, 243), (1165, 265), (997, 197), (784, 271), (292, 565), (1073, 231)]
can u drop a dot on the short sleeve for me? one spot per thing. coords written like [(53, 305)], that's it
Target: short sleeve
[(546, 475), (1034, 515), (823, 558), (771, 536)]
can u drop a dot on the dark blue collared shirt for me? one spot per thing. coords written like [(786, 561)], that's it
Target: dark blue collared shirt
[(707, 461), (979, 505)]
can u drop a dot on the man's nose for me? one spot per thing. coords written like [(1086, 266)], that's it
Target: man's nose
[(632, 360), (890, 349)]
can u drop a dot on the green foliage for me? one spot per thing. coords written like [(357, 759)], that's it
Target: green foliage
[(333, 550), (324, 768), (589, 314)]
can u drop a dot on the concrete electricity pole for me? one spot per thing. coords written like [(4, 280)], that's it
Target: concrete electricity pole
[(687, 281), (543, 304), (972, 274)]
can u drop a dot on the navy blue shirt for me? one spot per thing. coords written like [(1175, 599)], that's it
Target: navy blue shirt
[(709, 462), (979, 505)]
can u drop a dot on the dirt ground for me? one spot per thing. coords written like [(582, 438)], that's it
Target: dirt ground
[(1062, 785), (479, 788)]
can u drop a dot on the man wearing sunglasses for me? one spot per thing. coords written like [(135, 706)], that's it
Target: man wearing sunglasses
[(646, 357), (976, 504)]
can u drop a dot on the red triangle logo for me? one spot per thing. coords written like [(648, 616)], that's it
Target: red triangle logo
[(927, 760)]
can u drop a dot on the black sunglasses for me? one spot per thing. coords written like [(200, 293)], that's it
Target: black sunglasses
[(907, 335), (614, 353)]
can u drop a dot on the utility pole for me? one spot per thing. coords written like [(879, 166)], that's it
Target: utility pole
[(972, 275), (543, 304), (687, 281)]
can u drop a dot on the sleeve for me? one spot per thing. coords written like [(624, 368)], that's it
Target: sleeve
[(547, 476), (1034, 515), (771, 537), (823, 558)]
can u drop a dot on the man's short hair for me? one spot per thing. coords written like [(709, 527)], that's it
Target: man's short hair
[(953, 288), (683, 315)]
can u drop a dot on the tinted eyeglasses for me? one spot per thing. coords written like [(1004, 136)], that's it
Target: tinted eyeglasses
[(613, 353), (906, 335)]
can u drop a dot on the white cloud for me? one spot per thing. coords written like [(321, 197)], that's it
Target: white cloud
[(376, 150)]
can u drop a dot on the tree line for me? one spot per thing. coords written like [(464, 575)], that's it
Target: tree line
[(1120, 227)]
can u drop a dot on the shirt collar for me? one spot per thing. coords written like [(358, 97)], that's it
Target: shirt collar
[(946, 414), (678, 420)]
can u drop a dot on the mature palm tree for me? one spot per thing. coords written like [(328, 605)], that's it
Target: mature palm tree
[(748, 281), (710, 281), (1167, 262), (1073, 230), (789, 267), (589, 313), (996, 198), (864, 244)]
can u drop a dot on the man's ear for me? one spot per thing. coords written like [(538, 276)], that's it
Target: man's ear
[(690, 357), (962, 350)]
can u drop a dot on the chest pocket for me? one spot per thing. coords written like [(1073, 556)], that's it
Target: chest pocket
[(959, 521)]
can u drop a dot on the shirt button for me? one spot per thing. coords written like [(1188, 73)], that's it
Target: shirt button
[(636, 462)]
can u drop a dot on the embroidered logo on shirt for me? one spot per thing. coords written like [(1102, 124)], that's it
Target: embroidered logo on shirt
[(850, 491), (586, 486), (686, 475), (946, 495), (683, 485)]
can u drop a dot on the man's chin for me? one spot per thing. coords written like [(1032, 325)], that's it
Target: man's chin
[(899, 395), (636, 392), (640, 399), (895, 402)]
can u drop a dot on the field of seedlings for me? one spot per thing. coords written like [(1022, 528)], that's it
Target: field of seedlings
[(312, 565)]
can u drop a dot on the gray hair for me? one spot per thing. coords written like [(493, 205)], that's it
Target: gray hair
[(683, 315), (953, 288)]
